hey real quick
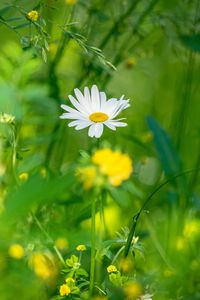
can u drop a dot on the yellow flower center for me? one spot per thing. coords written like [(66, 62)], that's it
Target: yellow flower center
[(98, 117)]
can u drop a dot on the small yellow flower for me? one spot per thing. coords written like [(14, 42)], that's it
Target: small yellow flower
[(87, 176), (64, 290), (61, 243), (23, 176), (33, 15), (16, 251), (81, 248), (114, 164), (133, 290), (6, 118), (70, 2), (111, 269)]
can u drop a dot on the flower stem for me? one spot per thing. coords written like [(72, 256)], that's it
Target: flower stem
[(93, 246)]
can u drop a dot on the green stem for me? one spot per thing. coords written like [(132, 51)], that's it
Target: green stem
[(93, 246), (49, 238)]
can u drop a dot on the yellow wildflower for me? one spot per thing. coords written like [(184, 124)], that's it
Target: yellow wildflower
[(61, 243), (133, 290), (70, 2), (81, 248), (87, 175), (111, 269), (33, 15), (114, 164), (16, 251), (43, 264), (23, 176), (64, 290)]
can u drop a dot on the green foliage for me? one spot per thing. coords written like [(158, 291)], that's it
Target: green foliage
[(148, 51)]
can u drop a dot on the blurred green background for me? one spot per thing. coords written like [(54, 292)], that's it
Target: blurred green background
[(145, 50)]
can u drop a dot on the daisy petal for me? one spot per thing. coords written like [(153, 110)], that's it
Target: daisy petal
[(91, 131), (74, 123), (82, 125), (69, 109), (98, 130), (95, 97), (82, 100), (77, 105), (73, 116), (109, 125), (118, 124)]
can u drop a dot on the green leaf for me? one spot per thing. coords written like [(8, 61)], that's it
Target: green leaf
[(165, 148), (22, 25), (36, 190), (81, 272), (191, 41), (5, 9), (120, 196)]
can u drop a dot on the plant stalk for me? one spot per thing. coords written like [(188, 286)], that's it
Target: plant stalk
[(93, 246)]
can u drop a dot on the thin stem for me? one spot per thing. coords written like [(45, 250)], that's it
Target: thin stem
[(93, 246), (49, 238), (117, 254), (137, 216)]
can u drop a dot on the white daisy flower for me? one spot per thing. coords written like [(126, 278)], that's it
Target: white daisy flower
[(93, 110)]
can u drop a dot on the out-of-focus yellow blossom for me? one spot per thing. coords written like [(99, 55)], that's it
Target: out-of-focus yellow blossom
[(16, 251), (23, 176), (6, 118), (81, 248), (61, 243), (126, 264), (191, 228), (43, 172), (70, 2), (133, 290), (114, 164), (131, 62), (111, 269), (168, 273), (64, 290), (87, 176), (33, 15), (43, 265), (112, 215), (180, 243)]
